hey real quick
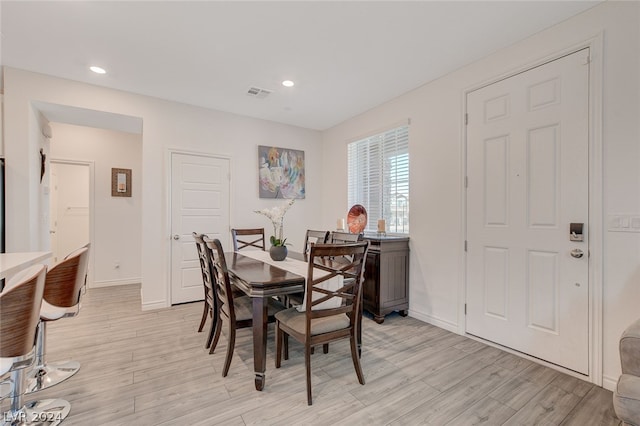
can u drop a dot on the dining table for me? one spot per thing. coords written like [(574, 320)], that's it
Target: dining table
[(261, 278)]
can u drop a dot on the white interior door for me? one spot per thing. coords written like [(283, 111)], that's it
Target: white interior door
[(199, 203), (53, 214), (70, 208), (527, 168)]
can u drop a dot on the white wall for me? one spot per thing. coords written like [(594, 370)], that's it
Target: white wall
[(117, 226), (436, 144), (165, 125)]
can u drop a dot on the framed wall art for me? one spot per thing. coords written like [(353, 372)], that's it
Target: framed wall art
[(281, 172), (121, 182)]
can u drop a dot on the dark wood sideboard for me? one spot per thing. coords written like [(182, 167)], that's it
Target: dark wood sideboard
[(386, 276)]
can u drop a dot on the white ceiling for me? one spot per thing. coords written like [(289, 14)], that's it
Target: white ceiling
[(345, 57)]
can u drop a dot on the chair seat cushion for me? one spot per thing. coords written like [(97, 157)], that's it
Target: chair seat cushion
[(297, 321), (5, 365), (49, 312), (626, 399), (244, 308)]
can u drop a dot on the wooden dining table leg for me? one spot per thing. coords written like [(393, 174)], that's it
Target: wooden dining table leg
[(259, 340)]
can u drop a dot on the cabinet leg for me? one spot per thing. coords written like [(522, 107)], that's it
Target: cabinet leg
[(403, 313), (378, 318)]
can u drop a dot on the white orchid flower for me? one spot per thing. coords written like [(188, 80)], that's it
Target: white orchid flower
[(276, 214)]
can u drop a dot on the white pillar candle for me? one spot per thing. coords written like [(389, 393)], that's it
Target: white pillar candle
[(382, 225), (340, 224)]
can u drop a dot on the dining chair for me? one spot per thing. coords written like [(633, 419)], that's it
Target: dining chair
[(63, 290), (337, 237), (332, 304), (248, 238), (209, 299), (318, 237), (235, 311), (20, 304), (311, 237)]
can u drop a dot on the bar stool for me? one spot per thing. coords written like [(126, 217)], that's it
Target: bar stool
[(61, 299), (19, 310)]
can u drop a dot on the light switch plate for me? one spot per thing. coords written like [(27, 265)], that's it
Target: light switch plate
[(623, 223)]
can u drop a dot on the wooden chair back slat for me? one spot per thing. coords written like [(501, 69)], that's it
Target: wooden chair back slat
[(205, 266), (222, 283), (346, 260), (337, 237), (246, 241), (317, 237)]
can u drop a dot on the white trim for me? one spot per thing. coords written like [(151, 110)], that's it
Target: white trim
[(609, 383), (596, 208), (113, 283), (596, 205), (160, 304), (438, 322), (92, 210)]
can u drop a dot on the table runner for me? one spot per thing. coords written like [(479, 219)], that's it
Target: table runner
[(300, 268)]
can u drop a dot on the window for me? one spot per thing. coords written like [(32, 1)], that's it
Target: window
[(378, 169)]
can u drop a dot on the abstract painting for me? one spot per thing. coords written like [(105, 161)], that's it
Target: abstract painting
[(281, 172)]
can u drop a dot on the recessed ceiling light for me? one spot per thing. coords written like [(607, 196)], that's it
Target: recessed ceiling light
[(288, 83), (97, 70)]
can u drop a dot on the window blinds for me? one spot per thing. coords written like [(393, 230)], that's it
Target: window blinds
[(378, 178)]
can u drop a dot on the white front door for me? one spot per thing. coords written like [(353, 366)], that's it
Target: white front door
[(528, 175), (199, 203)]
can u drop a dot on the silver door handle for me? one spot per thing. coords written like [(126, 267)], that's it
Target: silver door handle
[(176, 237), (577, 253)]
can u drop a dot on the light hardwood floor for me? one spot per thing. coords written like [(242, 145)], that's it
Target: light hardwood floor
[(151, 368)]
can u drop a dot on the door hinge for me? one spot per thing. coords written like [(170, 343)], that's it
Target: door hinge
[(466, 118), (465, 309), (465, 245)]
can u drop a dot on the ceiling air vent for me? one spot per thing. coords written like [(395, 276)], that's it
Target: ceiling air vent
[(257, 92)]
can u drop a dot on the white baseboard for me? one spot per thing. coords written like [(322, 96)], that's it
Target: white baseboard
[(609, 383), (159, 304), (438, 322), (111, 283)]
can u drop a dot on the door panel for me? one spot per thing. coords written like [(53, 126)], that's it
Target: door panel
[(69, 207), (527, 168), (199, 203)]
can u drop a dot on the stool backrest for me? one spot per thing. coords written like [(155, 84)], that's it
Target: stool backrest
[(20, 312), (65, 280)]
